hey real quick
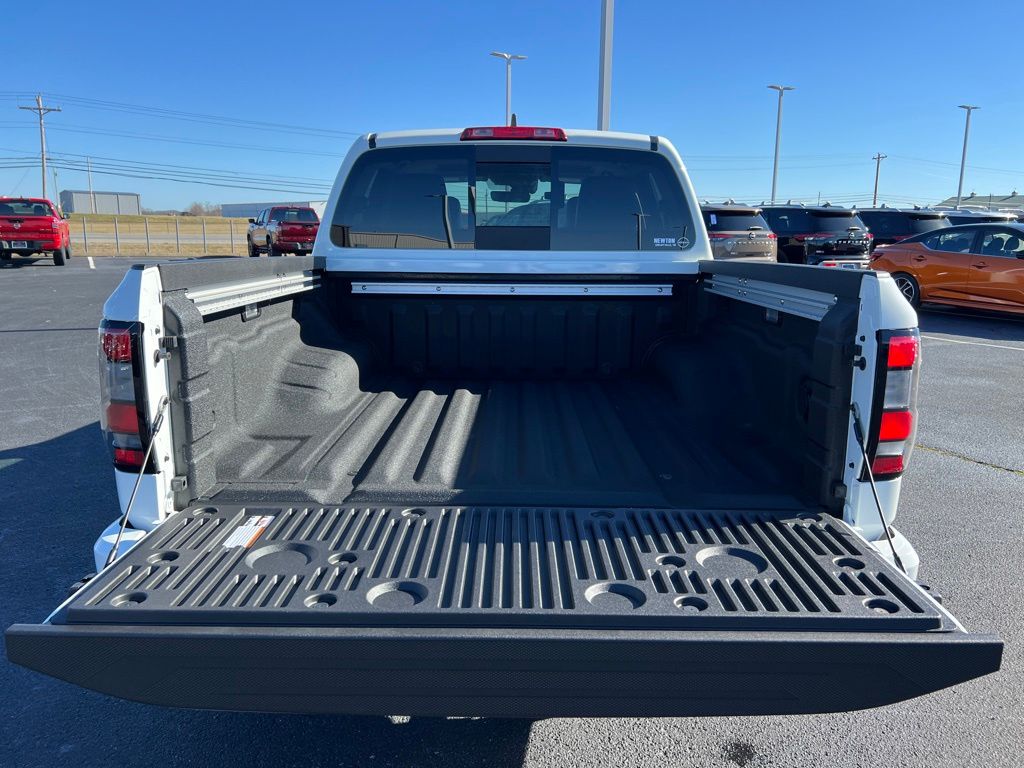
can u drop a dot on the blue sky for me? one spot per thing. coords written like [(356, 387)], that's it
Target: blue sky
[(870, 77)]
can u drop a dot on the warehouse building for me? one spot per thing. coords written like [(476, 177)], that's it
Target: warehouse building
[(83, 201), (251, 210), (990, 202)]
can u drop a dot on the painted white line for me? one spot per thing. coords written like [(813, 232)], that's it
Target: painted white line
[(972, 343), (92, 264)]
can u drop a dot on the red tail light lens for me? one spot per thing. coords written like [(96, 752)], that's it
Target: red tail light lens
[(772, 236), (887, 465), (894, 417), (719, 235), (122, 417), (520, 132), (902, 352), (116, 344), (895, 425)]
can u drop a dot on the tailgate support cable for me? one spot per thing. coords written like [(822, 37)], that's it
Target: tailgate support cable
[(858, 432), (157, 423)]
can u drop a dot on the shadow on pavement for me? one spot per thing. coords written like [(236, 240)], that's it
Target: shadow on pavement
[(18, 262), (972, 323), (55, 498)]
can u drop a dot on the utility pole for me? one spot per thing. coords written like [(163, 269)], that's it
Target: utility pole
[(40, 110), (509, 58), (778, 135), (92, 197), (963, 157), (878, 166), (56, 191), (604, 72)]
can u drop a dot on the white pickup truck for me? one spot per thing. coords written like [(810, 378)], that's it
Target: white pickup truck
[(508, 443)]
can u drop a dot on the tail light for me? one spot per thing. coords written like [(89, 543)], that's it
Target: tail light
[(514, 132), (772, 236), (869, 236), (813, 236), (122, 404), (894, 417), (719, 235), (54, 224)]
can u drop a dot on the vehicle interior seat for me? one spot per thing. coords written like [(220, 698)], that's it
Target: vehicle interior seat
[(38, 210), (994, 248)]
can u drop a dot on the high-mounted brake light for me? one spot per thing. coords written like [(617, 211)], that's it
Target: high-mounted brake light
[(520, 132), (894, 417), (122, 415)]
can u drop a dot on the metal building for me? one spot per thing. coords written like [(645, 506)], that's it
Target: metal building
[(83, 201), (250, 210)]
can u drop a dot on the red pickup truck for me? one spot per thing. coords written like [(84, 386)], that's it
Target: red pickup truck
[(283, 229), (31, 225)]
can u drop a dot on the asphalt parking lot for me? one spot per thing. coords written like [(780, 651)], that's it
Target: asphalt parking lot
[(962, 506)]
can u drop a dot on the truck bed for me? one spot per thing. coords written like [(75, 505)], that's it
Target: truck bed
[(621, 442), (503, 611)]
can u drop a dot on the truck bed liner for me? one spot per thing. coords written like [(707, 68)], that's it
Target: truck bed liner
[(519, 612), (625, 441)]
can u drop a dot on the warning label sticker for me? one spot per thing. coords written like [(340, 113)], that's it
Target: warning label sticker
[(246, 534)]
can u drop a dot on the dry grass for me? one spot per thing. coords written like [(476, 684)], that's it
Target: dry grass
[(168, 235)]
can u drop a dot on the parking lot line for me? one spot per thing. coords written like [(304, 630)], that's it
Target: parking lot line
[(92, 264), (972, 343)]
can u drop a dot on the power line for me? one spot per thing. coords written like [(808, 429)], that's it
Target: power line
[(192, 117), (93, 131)]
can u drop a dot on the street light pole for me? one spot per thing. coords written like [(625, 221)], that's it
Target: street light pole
[(40, 110), (878, 166), (509, 58), (778, 136), (963, 157), (604, 72)]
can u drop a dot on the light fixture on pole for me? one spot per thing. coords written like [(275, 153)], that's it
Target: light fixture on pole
[(963, 157), (778, 135), (509, 58)]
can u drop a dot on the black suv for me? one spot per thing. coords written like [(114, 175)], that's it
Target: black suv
[(891, 225), (821, 234)]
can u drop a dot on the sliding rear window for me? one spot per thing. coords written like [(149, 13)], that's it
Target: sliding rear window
[(507, 197)]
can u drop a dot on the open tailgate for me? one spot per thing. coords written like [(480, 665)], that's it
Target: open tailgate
[(504, 612)]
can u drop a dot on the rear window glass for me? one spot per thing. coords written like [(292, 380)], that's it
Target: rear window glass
[(719, 221), (789, 220), (899, 224), (506, 197), (836, 222), (304, 215), (25, 208)]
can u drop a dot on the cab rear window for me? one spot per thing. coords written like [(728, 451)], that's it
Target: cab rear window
[(14, 207), (507, 197)]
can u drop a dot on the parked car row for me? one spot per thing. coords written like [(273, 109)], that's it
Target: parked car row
[(969, 265)]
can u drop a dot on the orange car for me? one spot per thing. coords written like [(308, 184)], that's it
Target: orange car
[(973, 265)]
